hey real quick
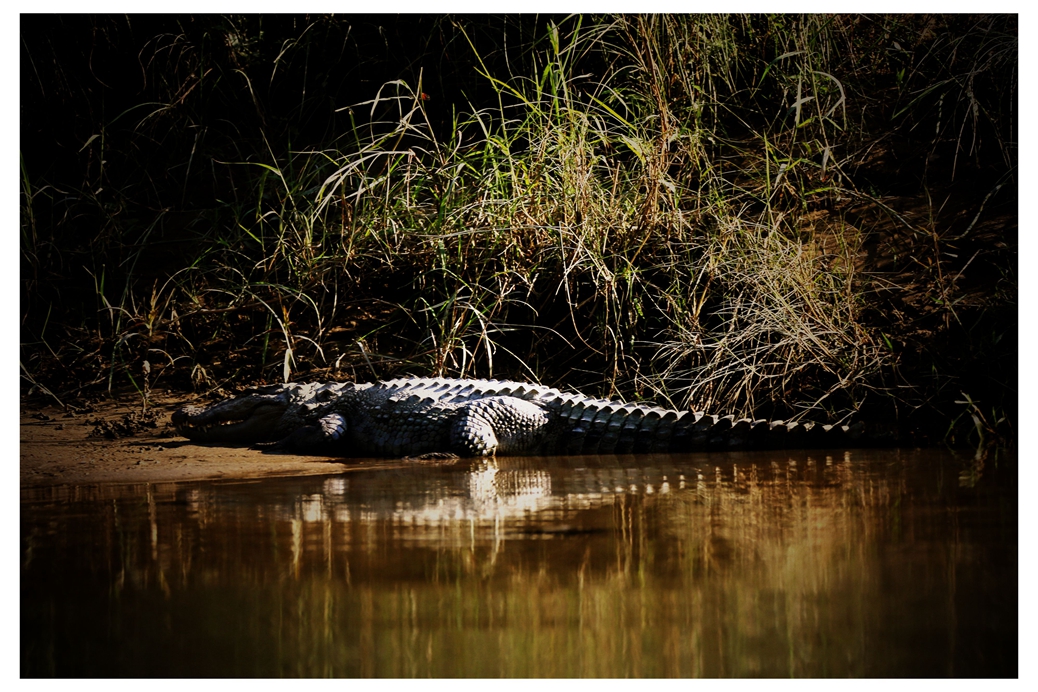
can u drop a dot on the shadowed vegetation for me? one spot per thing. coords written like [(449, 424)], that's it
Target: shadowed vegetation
[(796, 216)]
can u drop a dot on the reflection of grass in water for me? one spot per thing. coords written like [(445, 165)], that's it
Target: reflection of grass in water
[(760, 571), (798, 567), (777, 553)]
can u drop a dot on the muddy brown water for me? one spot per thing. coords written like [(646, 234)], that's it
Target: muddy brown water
[(824, 563)]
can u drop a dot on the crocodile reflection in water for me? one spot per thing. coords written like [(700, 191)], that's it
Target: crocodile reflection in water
[(600, 556), (501, 490)]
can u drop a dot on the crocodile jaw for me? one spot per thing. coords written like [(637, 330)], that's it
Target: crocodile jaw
[(248, 419)]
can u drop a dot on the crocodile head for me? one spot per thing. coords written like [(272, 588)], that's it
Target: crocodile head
[(258, 415)]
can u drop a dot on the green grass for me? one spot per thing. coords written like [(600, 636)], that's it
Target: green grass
[(669, 207)]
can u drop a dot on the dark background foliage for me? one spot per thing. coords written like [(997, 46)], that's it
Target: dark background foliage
[(162, 155)]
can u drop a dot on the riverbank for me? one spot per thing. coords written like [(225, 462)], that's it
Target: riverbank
[(72, 448)]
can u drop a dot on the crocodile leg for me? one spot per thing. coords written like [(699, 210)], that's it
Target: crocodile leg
[(499, 425), (316, 437)]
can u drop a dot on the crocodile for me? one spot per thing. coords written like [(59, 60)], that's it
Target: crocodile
[(476, 418)]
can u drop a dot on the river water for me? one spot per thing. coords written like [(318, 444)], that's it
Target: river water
[(823, 563)]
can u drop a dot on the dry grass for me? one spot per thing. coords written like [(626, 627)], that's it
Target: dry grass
[(635, 214)]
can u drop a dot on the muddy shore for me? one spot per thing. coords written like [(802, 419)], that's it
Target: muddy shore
[(96, 446)]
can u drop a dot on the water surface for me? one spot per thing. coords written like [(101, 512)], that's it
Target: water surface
[(860, 563)]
